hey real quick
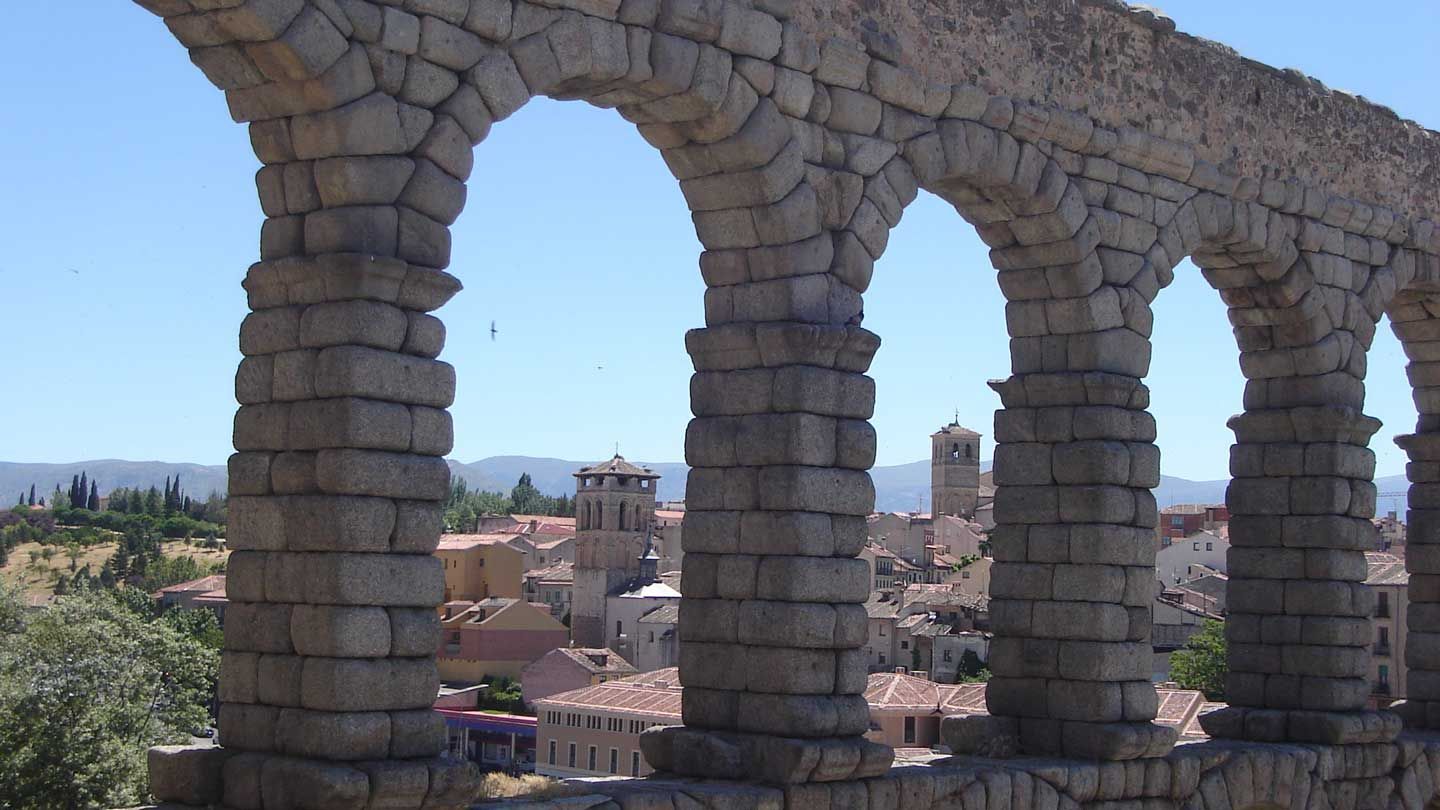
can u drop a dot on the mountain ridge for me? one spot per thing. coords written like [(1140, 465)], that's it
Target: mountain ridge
[(898, 488)]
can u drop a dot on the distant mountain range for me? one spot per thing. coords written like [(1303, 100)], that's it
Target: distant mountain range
[(900, 488)]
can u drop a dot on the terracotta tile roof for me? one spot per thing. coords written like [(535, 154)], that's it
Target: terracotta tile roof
[(651, 694), (1385, 569), (896, 691), (669, 514), (542, 519), (557, 573), (1186, 509), (665, 614), (954, 429), (549, 544), (934, 596), (912, 620), (616, 466), (587, 659), (213, 582), (877, 609), (461, 542)]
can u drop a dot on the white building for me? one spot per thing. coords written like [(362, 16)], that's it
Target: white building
[(1182, 560)]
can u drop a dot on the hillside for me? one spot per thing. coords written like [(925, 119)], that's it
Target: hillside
[(901, 487), (109, 474)]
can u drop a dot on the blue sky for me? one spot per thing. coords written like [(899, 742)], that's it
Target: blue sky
[(130, 216)]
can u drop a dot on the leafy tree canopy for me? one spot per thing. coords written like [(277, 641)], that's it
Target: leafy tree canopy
[(86, 686), (1201, 665)]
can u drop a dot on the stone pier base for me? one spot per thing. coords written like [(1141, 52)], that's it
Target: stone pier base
[(211, 776), (1326, 728), (1214, 775)]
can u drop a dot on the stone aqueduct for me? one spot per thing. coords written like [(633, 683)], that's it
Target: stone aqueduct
[(1093, 148)]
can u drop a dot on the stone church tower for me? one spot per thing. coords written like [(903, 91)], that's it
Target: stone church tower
[(954, 471), (614, 512)]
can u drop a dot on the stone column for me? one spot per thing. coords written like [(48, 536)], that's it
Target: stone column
[(1074, 572), (1419, 332), (1299, 625), (772, 623), (1421, 707), (328, 676)]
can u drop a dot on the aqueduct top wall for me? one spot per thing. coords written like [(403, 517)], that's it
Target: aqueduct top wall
[(1126, 66)]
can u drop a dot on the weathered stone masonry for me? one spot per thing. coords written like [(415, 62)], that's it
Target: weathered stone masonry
[(1092, 153)]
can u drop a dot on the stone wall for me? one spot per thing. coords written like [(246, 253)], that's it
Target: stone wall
[(1204, 776), (1129, 66), (797, 154)]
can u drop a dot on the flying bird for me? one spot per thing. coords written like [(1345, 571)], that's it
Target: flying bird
[(493, 331)]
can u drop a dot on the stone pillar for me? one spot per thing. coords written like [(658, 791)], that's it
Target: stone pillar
[(1074, 572), (328, 677), (1299, 625), (1421, 707), (772, 623)]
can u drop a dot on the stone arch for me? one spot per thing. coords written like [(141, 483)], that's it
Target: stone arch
[(1414, 314), (1079, 327), (1303, 297)]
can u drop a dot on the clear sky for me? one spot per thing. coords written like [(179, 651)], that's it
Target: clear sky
[(129, 216)]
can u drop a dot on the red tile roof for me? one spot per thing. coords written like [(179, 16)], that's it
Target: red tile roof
[(462, 542)]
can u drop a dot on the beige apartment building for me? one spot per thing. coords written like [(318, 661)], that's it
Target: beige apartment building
[(595, 731), (1391, 583)]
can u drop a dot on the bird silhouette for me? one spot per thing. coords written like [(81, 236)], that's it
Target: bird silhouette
[(493, 331)]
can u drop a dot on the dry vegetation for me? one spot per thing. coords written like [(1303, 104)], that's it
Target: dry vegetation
[(38, 579), (531, 786)]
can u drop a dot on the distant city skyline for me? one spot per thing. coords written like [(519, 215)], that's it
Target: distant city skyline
[(130, 234)]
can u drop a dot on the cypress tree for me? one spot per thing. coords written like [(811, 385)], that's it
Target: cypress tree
[(21, 502), (32, 494), (82, 494), (93, 504), (169, 503), (74, 489)]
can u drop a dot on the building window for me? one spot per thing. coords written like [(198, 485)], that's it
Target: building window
[(948, 657), (882, 659), (652, 636), (910, 730), (552, 752), (964, 574), (882, 629), (1209, 546), (619, 628), (614, 760), (1197, 545), (572, 755), (904, 645), (634, 763), (592, 759)]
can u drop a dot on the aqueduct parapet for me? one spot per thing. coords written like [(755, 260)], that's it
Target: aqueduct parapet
[(1095, 150)]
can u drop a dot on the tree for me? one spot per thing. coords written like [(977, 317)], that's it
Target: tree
[(32, 494), (74, 488), (86, 686), (1201, 665), (972, 669), (93, 502), (525, 497), (78, 501), (153, 505)]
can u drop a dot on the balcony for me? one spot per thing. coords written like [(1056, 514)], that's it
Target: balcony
[(1382, 649)]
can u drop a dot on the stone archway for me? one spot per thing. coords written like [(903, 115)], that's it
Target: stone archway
[(796, 154)]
